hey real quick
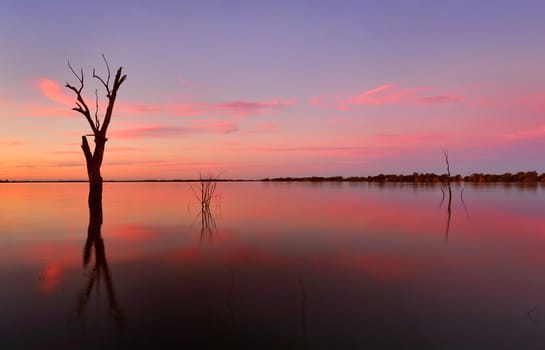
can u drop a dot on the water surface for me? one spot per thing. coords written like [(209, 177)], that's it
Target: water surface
[(274, 265)]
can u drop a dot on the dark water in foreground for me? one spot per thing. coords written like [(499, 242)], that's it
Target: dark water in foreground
[(278, 265)]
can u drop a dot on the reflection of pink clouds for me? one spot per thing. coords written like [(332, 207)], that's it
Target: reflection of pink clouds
[(55, 258), (131, 232), (186, 254), (50, 277), (376, 265)]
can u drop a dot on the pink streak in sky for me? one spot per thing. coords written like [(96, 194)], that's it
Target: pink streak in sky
[(54, 91), (392, 94), (159, 131)]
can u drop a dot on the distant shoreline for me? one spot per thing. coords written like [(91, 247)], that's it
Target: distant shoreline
[(519, 177)]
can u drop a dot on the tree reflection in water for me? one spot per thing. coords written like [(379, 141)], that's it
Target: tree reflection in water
[(208, 224), (100, 270)]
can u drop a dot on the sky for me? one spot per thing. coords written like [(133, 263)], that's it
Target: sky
[(255, 89)]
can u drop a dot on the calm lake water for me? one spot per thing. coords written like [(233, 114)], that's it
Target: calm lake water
[(274, 265)]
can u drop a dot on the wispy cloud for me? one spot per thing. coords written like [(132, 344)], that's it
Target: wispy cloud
[(393, 94), (388, 94), (243, 108), (410, 138), (47, 112), (55, 92), (534, 102), (537, 133), (483, 102), (430, 100), (215, 126), (266, 127), (357, 152), (13, 143)]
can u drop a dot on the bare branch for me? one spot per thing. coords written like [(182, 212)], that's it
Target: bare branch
[(81, 105), (108, 68), (80, 78), (118, 80), (103, 83), (445, 153), (106, 83), (97, 121), (72, 88)]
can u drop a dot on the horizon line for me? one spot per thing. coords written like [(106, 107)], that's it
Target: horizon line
[(286, 178)]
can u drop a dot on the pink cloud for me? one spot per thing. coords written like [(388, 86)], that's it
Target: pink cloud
[(246, 108), (162, 131), (389, 94), (534, 102), (55, 91), (48, 112), (330, 151), (326, 101), (239, 108), (430, 100), (110, 149), (186, 109), (317, 101), (267, 127), (532, 134), (13, 143), (385, 94), (137, 108), (483, 101), (420, 138)]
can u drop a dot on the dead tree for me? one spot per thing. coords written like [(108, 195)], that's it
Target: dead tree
[(99, 126), (445, 153)]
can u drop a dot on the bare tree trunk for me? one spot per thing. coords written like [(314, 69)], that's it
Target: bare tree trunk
[(94, 162)]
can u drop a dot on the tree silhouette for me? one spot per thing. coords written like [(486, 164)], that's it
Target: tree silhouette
[(99, 128), (445, 153)]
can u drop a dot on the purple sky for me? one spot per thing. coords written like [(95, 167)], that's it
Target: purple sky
[(279, 88)]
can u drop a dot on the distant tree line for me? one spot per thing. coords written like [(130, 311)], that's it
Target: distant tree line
[(521, 176)]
